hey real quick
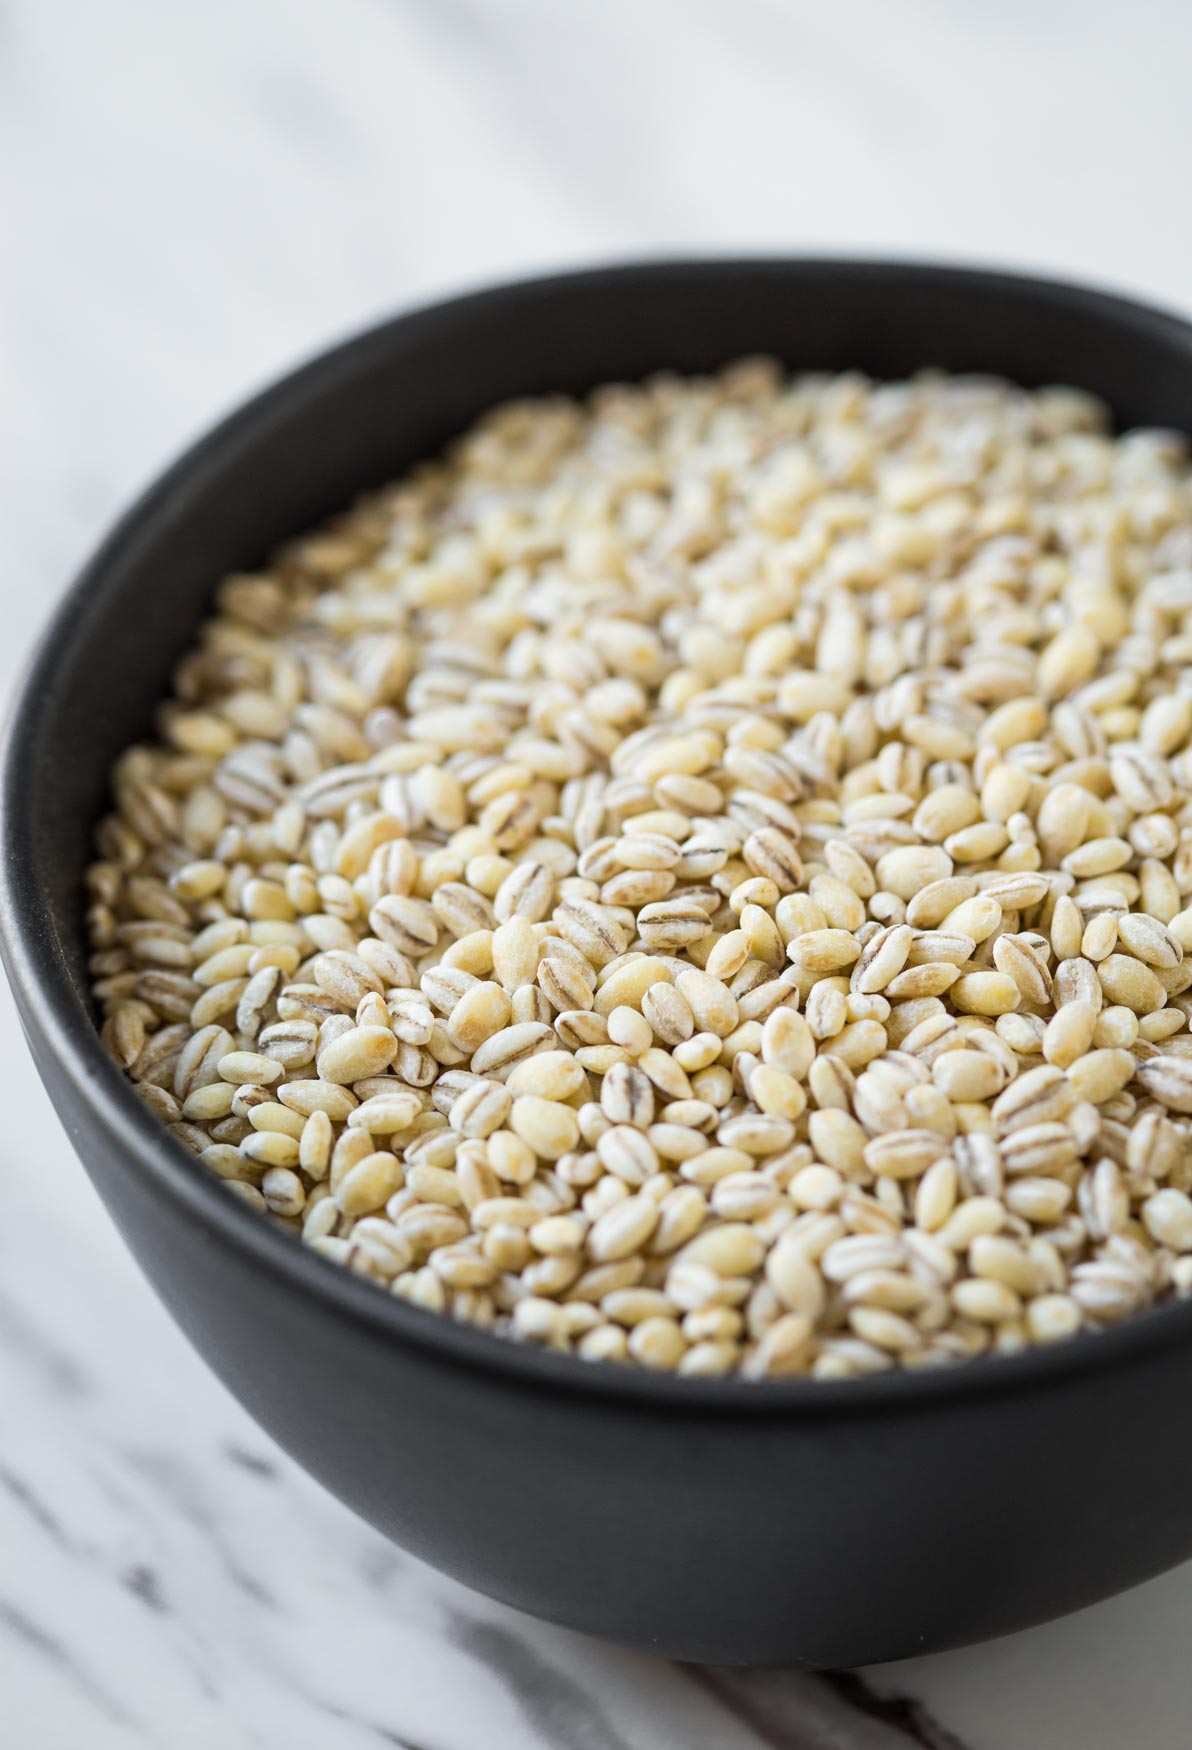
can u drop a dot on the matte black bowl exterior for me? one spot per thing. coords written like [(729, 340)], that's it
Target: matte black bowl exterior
[(783, 1523)]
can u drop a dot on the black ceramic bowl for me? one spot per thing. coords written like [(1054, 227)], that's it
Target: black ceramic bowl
[(782, 1523)]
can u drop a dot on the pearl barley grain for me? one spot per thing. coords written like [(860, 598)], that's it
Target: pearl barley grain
[(698, 879)]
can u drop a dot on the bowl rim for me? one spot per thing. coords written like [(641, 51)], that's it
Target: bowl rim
[(53, 1014)]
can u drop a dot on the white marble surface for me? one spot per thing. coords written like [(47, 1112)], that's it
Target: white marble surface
[(194, 196)]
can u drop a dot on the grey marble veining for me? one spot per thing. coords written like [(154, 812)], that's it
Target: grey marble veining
[(194, 197)]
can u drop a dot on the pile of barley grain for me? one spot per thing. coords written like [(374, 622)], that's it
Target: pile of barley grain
[(698, 879)]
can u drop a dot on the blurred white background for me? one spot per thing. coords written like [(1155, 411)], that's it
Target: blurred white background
[(194, 196)]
